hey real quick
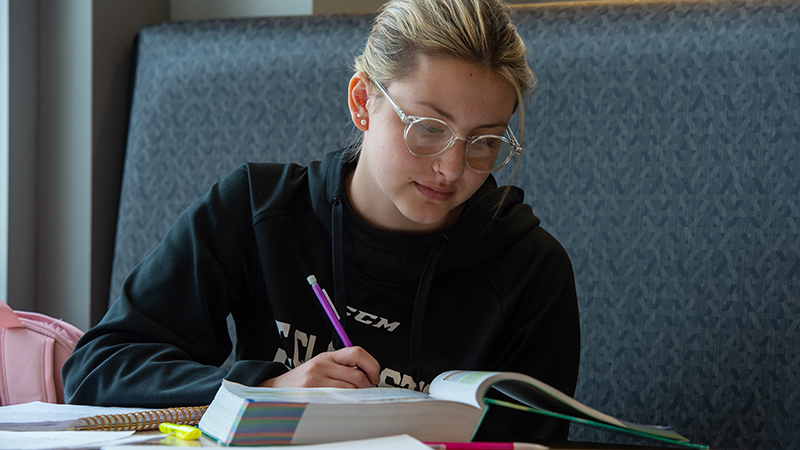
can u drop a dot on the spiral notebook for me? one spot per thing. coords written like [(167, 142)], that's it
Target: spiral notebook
[(38, 416)]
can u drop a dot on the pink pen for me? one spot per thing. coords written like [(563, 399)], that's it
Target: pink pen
[(485, 446), (327, 305)]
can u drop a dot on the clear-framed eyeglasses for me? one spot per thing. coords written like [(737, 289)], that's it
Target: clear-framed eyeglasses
[(428, 137)]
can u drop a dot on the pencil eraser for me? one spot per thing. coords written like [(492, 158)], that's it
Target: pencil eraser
[(312, 280)]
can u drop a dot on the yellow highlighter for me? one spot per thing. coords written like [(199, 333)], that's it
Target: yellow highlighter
[(185, 432)]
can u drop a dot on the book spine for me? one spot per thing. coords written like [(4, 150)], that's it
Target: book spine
[(144, 420)]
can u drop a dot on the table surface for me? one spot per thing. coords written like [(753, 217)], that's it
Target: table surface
[(204, 441)]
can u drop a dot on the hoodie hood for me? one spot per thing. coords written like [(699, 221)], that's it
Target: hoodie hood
[(482, 229)]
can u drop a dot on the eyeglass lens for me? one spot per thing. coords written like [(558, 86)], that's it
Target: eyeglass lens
[(428, 137)]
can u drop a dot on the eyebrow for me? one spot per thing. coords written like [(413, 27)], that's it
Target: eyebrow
[(447, 117)]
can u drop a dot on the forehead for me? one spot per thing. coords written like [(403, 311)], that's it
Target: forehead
[(451, 86)]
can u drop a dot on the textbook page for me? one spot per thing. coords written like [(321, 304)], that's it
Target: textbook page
[(470, 386), (323, 395), (466, 386)]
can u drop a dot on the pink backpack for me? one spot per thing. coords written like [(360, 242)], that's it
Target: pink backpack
[(33, 347)]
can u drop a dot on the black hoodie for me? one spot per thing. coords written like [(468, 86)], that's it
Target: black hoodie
[(488, 293)]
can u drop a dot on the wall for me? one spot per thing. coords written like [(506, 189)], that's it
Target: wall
[(368, 6), (63, 156), (66, 63), (18, 113), (4, 146), (208, 9)]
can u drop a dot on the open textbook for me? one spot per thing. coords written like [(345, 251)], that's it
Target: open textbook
[(453, 411)]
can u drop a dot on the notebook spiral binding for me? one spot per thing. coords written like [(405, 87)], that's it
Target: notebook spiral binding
[(145, 420)]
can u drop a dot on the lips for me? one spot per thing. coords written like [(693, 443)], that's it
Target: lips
[(434, 193)]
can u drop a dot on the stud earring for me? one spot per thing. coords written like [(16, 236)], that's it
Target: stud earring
[(363, 121)]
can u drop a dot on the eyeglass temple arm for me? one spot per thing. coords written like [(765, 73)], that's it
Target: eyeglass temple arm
[(396, 107), (514, 141)]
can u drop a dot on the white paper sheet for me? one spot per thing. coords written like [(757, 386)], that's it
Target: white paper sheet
[(48, 416), (401, 442), (48, 440)]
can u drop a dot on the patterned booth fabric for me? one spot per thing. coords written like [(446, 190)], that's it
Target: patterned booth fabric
[(662, 148)]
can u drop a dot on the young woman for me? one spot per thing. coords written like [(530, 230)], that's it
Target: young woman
[(432, 265)]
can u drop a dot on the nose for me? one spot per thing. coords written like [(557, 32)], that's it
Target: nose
[(452, 162)]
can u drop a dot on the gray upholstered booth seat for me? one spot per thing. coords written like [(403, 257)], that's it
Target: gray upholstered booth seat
[(661, 148)]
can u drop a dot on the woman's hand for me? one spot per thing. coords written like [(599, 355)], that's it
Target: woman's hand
[(350, 367)]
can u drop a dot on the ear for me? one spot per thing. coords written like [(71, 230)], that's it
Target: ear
[(357, 96)]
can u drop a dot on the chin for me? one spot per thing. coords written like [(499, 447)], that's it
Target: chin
[(428, 221)]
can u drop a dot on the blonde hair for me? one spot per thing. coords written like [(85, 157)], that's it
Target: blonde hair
[(476, 31)]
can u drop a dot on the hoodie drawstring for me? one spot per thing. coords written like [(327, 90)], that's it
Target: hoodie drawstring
[(339, 295), (423, 288), (420, 303)]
